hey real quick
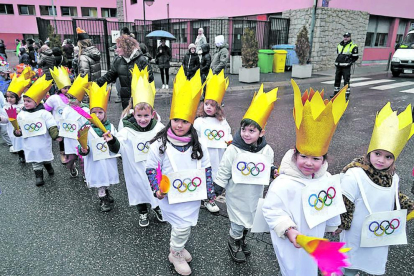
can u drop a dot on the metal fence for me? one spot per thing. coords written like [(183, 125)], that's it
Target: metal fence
[(268, 33)]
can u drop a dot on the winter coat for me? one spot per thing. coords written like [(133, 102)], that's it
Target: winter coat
[(32, 56), (220, 59), (163, 59), (3, 49), (144, 51), (24, 58), (90, 63), (68, 50), (205, 60), (60, 60), (200, 40), (191, 63), (121, 68), (47, 61)]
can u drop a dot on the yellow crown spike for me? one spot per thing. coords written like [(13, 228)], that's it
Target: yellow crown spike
[(141, 90), (98, 96), (79, 87), (392, 132), (216, 86), (316, 119), (61, 77), (186, 96), (261, 106), (39, 89), (18, 85)]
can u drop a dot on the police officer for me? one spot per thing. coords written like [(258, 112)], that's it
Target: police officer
[(347, 54)]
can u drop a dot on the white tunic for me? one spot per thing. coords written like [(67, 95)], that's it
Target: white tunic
[(17, 142), (57, 104), (283, 203), (69, 113), (369, 259), (215, 153), (38, 148), (179, 215), (102, 173), (136, 179), (241, 199)]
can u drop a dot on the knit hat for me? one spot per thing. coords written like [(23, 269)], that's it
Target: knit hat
[(192, 45), (82, 34), (219, 40)]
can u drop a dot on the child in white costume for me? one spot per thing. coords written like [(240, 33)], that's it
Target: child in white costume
[(370, 182), (180, 155), (132, 142), (38, 128), (57, 102), (246, 167), (72, 121), (213, 130), (100, 164), (301, 169)]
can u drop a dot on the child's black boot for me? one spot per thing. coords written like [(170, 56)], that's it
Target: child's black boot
[(245, 246), (108, 195), (105, 204), (22, 158), (49, 169), (235, 250), (39, 177)]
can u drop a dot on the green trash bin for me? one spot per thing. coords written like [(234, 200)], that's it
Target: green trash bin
[(265, 61)]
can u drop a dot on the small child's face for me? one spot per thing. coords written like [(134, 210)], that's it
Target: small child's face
[(309, 165), (192, 50), (143, 116), (100, 113), (72, 100), (65, 90), (250, 134), (209, 108), (29, 103), (180, 127), (381, 159), (10, 98)]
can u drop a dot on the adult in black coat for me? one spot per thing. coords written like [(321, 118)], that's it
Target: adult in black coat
[(205, 61), (60, 60), (24, 56), (68, 51), (163, 59), (191, 62), (129, 54), (3, 50), (32, 56)]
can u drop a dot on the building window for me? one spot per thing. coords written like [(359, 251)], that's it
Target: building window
[(377, 32), (401, 31), (26, 9), (89, 12), (47, 10), (108, 12), (6, 9), (69, 11), (179, 31), (134, 2)]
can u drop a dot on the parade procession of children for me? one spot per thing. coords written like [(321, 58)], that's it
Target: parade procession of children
[(173, 166)]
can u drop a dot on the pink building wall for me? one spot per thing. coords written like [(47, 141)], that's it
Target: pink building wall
[(15, 25)]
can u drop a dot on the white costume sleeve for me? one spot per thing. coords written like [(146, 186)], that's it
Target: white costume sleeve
[(226, 163), (349, 186), (49, 120)]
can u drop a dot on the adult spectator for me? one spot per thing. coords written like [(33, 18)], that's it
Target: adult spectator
[(129, 54), (191, 61), (89, 57), (30, 42), (163, 59), (3, 50), (75, 62), (68, 51), (144, 50), (32, 56), (205, 61), (46, 60), (18, 45), (24, 56), (60, 59), (220, 58), (200, 40)]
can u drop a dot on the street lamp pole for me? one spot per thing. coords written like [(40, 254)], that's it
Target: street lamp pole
[(54, 15)]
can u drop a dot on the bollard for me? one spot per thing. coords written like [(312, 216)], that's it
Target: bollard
[(389, 62)]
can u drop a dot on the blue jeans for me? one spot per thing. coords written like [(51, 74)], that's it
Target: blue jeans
[(236, 231)]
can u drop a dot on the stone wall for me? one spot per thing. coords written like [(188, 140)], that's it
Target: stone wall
[(330, 25)]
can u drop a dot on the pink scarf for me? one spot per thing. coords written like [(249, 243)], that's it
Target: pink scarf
[(177, 140)]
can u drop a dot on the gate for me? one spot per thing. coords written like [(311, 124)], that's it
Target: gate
[(279, 31)]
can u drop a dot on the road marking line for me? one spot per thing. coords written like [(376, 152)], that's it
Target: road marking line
[(352, 80), (393, 85), (408, 90), (364, 83)]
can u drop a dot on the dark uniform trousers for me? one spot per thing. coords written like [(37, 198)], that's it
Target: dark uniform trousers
[(344, 71)]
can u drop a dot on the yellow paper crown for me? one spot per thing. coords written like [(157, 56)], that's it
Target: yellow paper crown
[(18, 84), (392, 132), (261, 106), (28, 73), (316, 119), (141, 90), (186, 96), (61, 77), (39, 89), (78, 87), (216, 86), (98, 96)]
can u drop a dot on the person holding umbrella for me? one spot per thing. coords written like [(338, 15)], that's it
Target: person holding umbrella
[(163, 59)]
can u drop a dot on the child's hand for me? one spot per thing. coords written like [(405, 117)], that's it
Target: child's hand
[(59, 139), (107, 136), (291, 235), (338, 231), (84, 150), (159, 195), (18, 132), (275, 173)]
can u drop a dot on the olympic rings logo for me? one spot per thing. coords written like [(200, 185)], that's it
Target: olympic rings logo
[(187, 184), (143, 147), (323, 200), (214, 134), (69, 127), (379, 226), (102, 147), (250, 168), (33, 126)]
